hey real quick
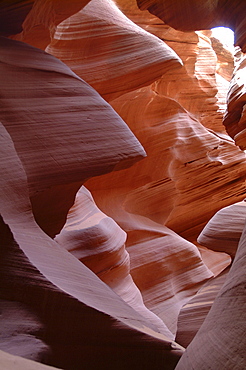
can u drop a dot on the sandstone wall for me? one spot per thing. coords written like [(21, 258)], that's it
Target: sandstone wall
[(117, 148)]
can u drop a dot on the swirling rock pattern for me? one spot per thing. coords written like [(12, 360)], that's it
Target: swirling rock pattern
[(108, 291), (235, 117), (10, 362), (40, 23), (153, 187), (193, 314), (195, 15), (53, 119), (81, 314), (124, 55), (224, 229), (178, 149), (220, 343), (207, 68), (97, 241), (204, 15)]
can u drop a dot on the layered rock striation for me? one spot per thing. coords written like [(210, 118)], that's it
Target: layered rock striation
[(101, 38), (55, 126), (81, 315), (122, 193)]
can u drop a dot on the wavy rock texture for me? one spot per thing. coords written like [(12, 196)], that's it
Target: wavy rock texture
[(12, 15), (206, 96), (81, 315), (222, 232), (201, 85), (160, 187), (168, 270), (195, 15), (101, 38), (97, 241), (224, 229), (204, 15), (59, 118), (40, 23), (220, 343), (235, 117), (167, 185), (10, 362), (21, 331), (124, 308), (193, 314), (185, 15)]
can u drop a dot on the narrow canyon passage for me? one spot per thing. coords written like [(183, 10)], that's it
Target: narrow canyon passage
[(122, 208)]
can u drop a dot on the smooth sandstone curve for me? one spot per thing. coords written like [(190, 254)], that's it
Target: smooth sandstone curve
[(51, 113), (105, 48)]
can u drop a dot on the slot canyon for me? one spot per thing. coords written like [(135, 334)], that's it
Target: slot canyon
[(122, 209)]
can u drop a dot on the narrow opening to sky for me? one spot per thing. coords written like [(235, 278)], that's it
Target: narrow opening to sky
[(225, 35)]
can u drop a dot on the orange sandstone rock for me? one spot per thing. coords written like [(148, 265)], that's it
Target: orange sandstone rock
[(193, 15), (204, 15), (168, 188), (102, 46), (201, 85), (40, 23), (235, 117), (57, 132), (169, 185)]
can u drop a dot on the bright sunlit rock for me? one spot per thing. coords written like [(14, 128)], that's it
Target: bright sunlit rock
[(225, 35)]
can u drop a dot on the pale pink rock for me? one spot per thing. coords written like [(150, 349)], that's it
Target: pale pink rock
[(97, 241), (223, 231), (52, 114), (217, 262), (10, 362), (159, 258), (221, 341), (193, 313), (75, 305), (189, 174)]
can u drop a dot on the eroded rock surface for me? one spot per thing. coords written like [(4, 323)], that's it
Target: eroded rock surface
[(97, 241), (198, 14), (220, 342), (125, 276), (101, 38), (55, 124), (75, 305), (235, 117), (224, 229)]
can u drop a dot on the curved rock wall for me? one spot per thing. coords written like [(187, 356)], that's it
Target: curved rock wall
[(133, 109), (101, 38)]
